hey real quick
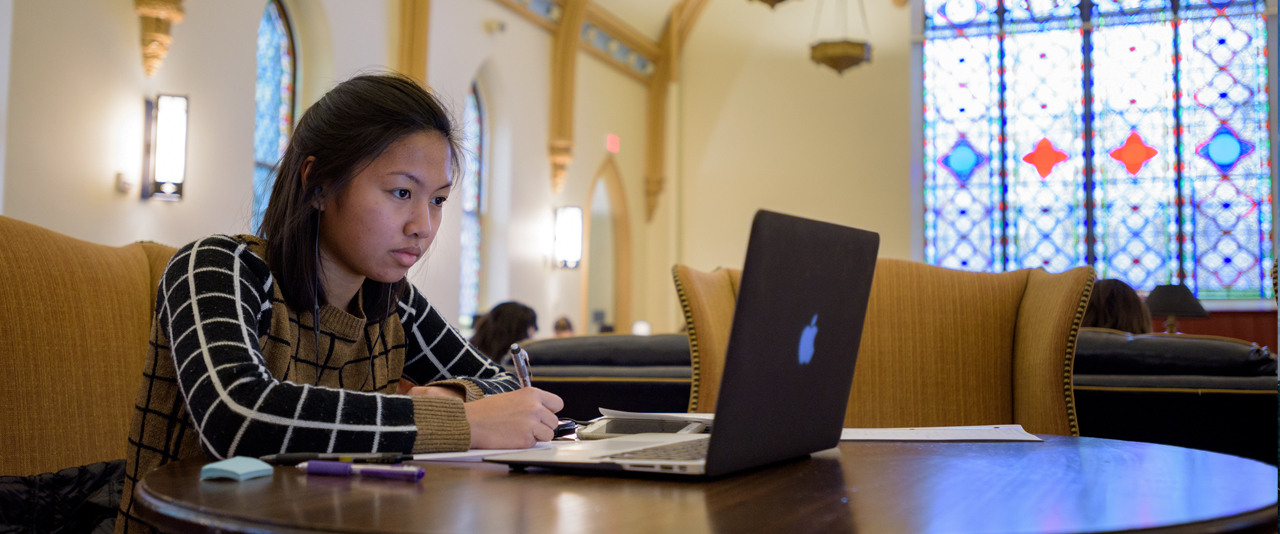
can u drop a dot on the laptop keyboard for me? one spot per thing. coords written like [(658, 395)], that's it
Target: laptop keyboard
[(691, 450)]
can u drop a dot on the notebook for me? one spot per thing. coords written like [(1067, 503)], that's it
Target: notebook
[(788, 366)]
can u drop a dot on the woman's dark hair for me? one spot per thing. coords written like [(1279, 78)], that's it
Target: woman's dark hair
[(1117, 306), (505, 324), (345, 130)]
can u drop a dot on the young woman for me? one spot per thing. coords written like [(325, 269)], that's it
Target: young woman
[(239, 365)]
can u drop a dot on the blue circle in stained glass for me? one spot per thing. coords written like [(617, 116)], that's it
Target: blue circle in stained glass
[(962, 160), (1224, 149), (1226, 260)]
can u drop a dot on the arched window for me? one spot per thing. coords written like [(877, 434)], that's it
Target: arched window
[(1129, 135), (473, 144), (273, 94)]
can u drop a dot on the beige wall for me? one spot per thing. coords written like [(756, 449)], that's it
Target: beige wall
[(606, 102), (512, 69), (761, 126), (76, 104)]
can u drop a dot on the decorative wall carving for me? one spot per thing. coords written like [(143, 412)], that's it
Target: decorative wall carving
[(564, 57), (156, 16)]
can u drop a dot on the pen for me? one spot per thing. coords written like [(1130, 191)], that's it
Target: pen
[(521, 360), (293, 458), (345, 469)]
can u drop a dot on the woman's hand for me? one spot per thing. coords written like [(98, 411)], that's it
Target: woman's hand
[(514, 420)]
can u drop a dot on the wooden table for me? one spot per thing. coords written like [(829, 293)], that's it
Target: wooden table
[(1061, 485)]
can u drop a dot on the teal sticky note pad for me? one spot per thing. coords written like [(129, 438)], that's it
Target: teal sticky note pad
[(237, 468)]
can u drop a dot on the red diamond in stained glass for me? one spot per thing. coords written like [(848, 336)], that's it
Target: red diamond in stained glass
[(1134, 154), (1045, 157)]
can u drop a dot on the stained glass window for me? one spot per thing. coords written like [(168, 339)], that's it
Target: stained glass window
[(469, 191), (273, 94), (1129, 135)]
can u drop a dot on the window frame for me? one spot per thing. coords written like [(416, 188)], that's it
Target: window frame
[(291, 38)]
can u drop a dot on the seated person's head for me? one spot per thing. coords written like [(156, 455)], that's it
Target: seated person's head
[(563, 327), (1117, 306), (506, 323)]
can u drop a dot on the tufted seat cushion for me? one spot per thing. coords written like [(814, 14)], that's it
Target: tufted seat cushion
[(1101, 351)]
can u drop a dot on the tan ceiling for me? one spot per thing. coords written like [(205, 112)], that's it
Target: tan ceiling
[(646, 16)]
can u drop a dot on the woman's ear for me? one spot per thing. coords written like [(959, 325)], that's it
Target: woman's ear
[(313, 193)]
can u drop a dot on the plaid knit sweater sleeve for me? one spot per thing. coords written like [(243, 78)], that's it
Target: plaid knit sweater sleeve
[(436, 354), (215, 303)]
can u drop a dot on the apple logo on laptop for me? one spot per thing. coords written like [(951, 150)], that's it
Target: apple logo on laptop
[(806, 340)]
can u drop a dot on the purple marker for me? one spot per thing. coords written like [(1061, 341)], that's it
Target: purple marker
[(346, 469)]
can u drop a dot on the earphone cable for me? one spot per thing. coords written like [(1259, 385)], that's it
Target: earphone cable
[(315, 298)]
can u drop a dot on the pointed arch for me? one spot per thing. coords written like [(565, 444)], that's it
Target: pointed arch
[(620, 216)]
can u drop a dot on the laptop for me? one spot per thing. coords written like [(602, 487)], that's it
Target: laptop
[(788, 367)]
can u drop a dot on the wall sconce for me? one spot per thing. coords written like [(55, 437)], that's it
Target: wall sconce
[(568, 245), (164, 163)]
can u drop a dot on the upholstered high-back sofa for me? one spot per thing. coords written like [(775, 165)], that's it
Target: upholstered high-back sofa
[(74, 318), (939, 347)]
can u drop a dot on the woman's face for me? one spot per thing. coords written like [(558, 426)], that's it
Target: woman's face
[(389, 214)]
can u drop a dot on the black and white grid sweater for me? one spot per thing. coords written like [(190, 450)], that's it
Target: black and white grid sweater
[(232, 370)]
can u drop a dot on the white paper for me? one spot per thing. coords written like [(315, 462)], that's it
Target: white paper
[(706, 418), (940, 433), (476, 455)]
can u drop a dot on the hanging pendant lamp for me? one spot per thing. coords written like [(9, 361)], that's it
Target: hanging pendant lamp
[(840, 55), (843, 53)]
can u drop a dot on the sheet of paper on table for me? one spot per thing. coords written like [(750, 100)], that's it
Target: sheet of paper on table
[(940, 433), (699, 417), (476, 455)]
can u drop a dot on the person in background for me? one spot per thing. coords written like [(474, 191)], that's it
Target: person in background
[(506, 323), (1117, 306), (563, 327)]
